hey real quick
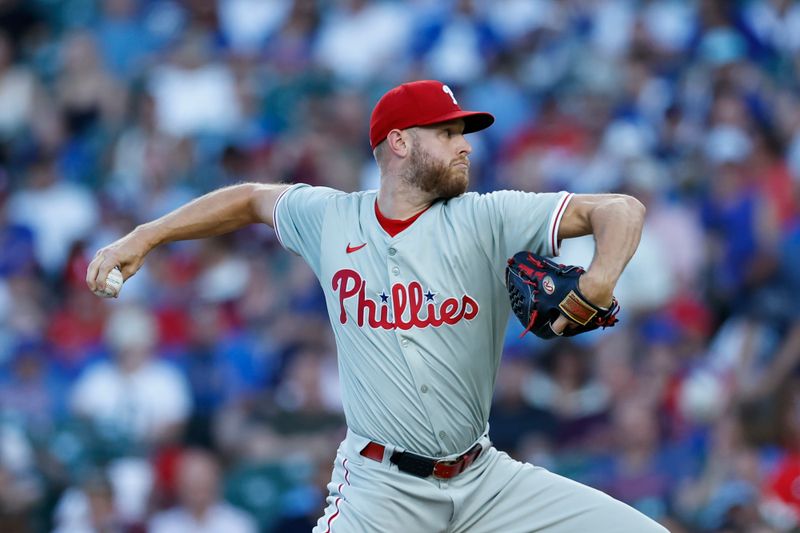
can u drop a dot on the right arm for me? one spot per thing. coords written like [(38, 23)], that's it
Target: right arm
[(222, 211)]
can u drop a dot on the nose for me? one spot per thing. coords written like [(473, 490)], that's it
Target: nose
[(464, 148)]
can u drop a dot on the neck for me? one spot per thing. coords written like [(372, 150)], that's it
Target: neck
[(399, 201)]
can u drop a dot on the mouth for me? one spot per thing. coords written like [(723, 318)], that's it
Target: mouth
[(461, 163)]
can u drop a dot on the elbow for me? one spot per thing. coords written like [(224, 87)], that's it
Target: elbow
[(635, 208)]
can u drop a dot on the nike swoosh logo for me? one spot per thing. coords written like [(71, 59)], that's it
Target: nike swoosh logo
[(351, 249)]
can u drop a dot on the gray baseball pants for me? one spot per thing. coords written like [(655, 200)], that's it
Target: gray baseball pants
[(495, 494)]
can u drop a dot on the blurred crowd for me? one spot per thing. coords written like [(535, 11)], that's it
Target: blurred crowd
[(206, 397)]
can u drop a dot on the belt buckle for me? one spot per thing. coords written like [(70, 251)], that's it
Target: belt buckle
[(444, 469), (458, 465)]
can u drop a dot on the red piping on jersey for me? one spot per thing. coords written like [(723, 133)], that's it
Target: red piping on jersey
[(275, 215), (393, 226), (557, 222)]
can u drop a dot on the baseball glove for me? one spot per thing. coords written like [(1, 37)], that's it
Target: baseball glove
[(541, 290)]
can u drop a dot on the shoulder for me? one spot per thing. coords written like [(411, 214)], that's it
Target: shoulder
[(463, 201), (511, 197), (305, 190), (318, 197), (476, 200), (483, 197), (356, 198), (302, 193), (303, 197)]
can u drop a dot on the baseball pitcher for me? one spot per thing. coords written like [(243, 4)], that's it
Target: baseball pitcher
[(414, 276)]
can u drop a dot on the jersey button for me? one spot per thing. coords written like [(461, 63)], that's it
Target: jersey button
[(396, 271), (404, 342), (423, 389), (442, 434), (392, 251)]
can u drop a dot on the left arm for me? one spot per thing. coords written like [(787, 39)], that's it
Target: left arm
[(616, 221)]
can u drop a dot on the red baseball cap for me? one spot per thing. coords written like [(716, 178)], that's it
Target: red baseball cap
[(420, 103)]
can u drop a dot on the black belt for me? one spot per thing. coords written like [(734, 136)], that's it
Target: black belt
[(421, 466)]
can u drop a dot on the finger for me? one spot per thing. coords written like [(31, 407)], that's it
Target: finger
[(98, 270), (102, 274), (561, 324), (92, 271), (128, 270)]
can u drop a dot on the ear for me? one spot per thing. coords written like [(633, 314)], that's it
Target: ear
[(399, 142)]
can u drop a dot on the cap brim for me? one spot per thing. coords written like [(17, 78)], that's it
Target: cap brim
[(473, 120)]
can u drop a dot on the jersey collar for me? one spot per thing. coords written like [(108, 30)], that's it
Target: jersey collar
[(393, 226)]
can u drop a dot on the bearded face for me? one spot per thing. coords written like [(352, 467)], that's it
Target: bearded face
[(444, 179)]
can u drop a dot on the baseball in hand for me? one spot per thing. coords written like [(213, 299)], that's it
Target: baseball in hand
[(113, 284)]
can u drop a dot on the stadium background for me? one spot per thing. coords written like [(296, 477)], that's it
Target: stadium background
[(113, 112)]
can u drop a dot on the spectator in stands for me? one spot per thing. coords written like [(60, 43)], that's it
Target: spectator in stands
[(90, 508), (135, 393), (565, 387), (201, 508), (58, 212), (19, 91)]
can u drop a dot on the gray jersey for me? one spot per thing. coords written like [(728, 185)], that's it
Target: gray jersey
[(419, 318)]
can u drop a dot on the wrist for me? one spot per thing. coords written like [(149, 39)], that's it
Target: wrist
[(596, 289), (148, 236)]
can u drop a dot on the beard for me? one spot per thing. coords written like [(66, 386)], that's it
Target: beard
[(443, 180)]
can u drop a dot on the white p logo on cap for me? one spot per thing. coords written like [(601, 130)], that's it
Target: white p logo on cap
[(449, 92)]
